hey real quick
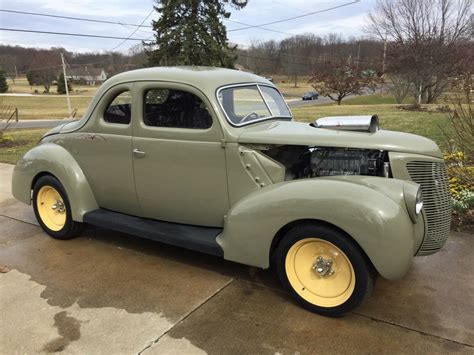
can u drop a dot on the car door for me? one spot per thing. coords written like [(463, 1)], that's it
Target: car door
[(179, 161), (103, 149)]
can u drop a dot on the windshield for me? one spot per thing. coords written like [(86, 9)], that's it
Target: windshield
[(249, 103)]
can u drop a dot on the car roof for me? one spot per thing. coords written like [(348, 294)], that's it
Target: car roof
[(204, 78)]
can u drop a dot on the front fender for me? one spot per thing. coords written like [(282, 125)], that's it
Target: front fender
[(53, 159), (369, 209)]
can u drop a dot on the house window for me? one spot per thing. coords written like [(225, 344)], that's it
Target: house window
[(175, 108), (120, 109)]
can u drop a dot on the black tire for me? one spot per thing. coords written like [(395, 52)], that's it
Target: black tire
[(365, 274), (71, 228)]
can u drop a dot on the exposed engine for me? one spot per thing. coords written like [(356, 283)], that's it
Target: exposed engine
[(308, 162)]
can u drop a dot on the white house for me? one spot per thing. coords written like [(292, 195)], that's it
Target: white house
[(92, 76)]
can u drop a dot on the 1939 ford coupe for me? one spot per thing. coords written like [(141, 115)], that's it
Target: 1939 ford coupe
[(211, 160)]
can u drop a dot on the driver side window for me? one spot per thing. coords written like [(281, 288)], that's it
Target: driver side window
[(120, 109), (175, 109)]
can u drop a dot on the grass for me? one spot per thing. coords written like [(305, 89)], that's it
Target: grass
[(289, 91), (15, 143), (21, 86), (287, 85), (375, 99), (428, 124), (45, 106)]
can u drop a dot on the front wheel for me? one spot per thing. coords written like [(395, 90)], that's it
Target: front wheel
[(52, 209), (323, 269)]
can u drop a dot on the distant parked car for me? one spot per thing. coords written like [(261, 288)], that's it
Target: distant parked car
[(311, 95)]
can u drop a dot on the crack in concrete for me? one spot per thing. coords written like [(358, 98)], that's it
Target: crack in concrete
[(19, 220), (253, 283), (411, 329), (185, 316)]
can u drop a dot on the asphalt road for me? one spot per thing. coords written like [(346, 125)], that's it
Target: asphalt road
[(47, 123), (299, 102), (50, 123), (110, 293)]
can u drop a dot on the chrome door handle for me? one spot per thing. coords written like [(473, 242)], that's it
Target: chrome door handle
[(138, 153)]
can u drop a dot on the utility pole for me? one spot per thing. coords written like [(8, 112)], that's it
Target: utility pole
[(16, 74), (419, 94), (358, 58), (65, 84), (383, 62)]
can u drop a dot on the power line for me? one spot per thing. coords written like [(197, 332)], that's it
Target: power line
[(70, 34), (136, 29), (112, 49), (295, 17), (113, 22), (73, 18), (142, 31), (247, 25), (263, 28)]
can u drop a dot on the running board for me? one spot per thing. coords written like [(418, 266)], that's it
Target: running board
[(202, 239)]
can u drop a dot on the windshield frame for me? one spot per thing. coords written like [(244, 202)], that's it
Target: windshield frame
[(271, 117)]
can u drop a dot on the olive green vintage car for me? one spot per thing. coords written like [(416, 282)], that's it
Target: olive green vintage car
[(211, 160)]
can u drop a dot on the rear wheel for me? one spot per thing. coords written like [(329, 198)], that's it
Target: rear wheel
[(323, 269), (52, 209)]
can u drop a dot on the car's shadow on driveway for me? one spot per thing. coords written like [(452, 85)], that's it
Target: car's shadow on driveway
[(266, 278)]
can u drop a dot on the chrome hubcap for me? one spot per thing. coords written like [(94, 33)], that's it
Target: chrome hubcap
[(323, 267), (59, 207)]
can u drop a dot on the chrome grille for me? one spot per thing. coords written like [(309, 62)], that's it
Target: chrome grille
[(436, 202)]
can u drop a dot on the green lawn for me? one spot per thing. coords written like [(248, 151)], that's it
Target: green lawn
[(375, 99), (45, 106), (288, 89), (15, 143), (20, 85), (426, 124)]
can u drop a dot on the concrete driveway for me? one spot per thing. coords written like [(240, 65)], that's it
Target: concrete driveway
[(107, 292)]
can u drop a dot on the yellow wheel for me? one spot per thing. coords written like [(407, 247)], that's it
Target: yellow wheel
[(320, 272), (52, 208), (323, 269)]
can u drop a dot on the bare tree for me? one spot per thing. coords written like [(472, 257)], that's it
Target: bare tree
[(46, 65), (338, 81), (400, 86), (425, 40)]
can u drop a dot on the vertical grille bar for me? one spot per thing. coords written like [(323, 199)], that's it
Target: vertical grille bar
[(436, 202)]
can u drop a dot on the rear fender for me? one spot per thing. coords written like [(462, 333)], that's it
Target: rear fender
[(50, 158), (371, 210)]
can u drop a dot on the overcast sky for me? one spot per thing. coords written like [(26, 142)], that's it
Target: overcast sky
[(347, 21)]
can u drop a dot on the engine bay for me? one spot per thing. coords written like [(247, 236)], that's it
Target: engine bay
[(310, 162)]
